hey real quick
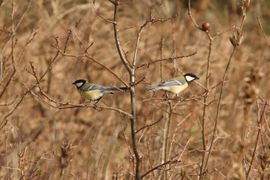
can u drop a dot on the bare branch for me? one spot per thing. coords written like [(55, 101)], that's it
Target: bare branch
[(259, 123), (167, 127), (205, 99), (108, 69), (167, 59), (150, 21), (149, 125), (5, 117), (132, 75), (159, 166), (191, 17), (236, 41), (263, 32), (117, 41), (93, 60), (105, 19), (66, 105), (8, 82)]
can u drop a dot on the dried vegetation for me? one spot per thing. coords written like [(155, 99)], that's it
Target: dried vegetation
[(217, 129)]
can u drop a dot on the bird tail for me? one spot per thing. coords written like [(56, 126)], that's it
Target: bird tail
[(115, 89)]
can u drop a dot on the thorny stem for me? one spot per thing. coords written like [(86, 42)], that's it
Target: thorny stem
[(206, 85)]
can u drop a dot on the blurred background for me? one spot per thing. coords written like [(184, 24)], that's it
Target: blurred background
[(39, 141)]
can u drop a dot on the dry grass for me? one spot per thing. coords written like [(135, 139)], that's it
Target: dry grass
[(48, 132)]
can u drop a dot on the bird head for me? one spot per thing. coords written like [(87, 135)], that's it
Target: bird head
[(190, 77), (79, 83)]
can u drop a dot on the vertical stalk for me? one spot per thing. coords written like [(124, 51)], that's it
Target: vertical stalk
[(206, 85), (132, 74), (132, 124), (259, 123), (161, 56), (217, 110), (165, 139)]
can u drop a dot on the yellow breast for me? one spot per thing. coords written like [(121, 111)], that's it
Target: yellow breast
[(92, 95), (177, 89)]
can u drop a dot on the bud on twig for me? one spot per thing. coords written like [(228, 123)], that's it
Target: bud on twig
[(205, 27)]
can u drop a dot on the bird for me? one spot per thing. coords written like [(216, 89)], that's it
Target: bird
[(175, 85), (94, 92)]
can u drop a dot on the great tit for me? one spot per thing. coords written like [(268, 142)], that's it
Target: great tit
[(175, 85), (94, 92)]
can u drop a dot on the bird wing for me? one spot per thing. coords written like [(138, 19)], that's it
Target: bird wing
[(90, 87), (103, 89), (172, 82)]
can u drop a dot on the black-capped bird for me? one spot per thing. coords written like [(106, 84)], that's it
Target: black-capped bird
[(94, 92), (175, 85)]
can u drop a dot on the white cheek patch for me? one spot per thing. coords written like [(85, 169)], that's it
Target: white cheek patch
[(189, 78), (79, 84)]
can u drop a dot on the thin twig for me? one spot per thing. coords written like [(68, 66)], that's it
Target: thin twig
[(4, 120), (167, 59), (259, 122), (12, 33), (150, 21), (159, 166), (5, 117), (88, 57), (264, 35), (9, 103), (108, 69), (67, 105), (103, 18), (149, 125), (190, 15), (117, 41), (8, 81)]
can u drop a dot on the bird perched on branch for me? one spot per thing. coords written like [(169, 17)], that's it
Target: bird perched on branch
[(175, 85), (94, 92)]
